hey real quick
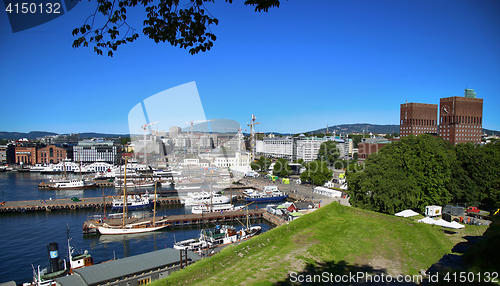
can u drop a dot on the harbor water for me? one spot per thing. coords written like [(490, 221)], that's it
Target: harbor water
[(25, 236)]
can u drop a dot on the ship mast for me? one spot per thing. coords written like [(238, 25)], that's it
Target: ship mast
[(125, 194), (154, 209)]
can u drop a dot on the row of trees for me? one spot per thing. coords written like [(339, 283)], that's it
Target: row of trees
[(424, 170)]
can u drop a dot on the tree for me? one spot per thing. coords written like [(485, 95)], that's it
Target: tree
[(282, 168), (300, 161), (262, 164), (409, 174), (186, 25), (316, 172), (355, 156), (475, 177), (125, 140), (328, 152)]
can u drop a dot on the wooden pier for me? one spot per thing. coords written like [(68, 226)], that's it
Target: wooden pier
[(90, 226), (68, 204)]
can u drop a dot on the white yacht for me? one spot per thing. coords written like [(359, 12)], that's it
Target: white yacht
[(203, 209), (201, 198)]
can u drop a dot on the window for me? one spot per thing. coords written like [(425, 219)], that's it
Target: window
[(51, 152)]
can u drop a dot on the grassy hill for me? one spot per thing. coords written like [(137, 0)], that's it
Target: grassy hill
[(335, 238)]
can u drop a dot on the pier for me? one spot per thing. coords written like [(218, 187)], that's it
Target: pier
[(68, 204), (90, 226)]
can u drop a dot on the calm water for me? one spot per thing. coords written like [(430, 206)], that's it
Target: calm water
[(25, 236)]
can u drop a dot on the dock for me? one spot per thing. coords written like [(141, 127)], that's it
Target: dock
[(90, 226), (68, 204)]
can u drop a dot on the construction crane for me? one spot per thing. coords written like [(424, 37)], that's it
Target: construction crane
[(252, 133), (144, 127), (192, 122)]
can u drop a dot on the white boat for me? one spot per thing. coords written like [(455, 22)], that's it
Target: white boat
[(218, 236), (134, 202), (131, 228), (136, 183), (39, 168), (72, 184), (201, 198), (96, 167), (202, 209), (62, 167), (167, 173)]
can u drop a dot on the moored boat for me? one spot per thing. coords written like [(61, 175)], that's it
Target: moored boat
[(72, 184), (140, 227), (218, 236), (269, 194), (202, 209), (134, 202), (203, 198)]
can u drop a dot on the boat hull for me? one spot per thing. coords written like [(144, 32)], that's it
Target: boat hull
[(267, 199), (136, 207), (110, 231)]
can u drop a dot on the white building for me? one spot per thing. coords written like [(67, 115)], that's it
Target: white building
[(308, 147), (280, 147), (97, 150)]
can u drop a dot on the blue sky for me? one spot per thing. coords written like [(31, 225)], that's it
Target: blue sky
[(297, 68)]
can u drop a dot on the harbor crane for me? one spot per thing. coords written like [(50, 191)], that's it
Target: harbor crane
[(144, 127), (192, 122)]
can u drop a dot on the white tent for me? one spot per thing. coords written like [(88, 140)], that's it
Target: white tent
[(441, 222), (427, 220), (456, 225), (406, 213)]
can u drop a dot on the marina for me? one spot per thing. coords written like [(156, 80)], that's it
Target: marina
[(26, 234)]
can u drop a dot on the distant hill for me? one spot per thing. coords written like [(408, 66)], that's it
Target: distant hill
[(37, 134), (371, 128)]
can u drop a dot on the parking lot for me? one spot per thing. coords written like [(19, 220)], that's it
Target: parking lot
[(303, 191)]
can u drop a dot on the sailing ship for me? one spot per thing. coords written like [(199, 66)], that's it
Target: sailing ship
[(136, 227)]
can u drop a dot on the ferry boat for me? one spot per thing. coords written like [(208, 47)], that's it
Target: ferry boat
[(39, 168), (268, 194), (218, 236), (203, 209), (201, 198), (74, 184)]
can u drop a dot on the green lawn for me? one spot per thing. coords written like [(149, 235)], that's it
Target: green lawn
[(337, 239)]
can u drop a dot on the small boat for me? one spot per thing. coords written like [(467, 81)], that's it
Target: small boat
[(218, 236), (269, 194), (203, 198), (202, 209), (134, 202)]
